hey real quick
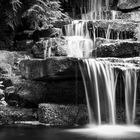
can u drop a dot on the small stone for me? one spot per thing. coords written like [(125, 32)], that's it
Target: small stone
[(1, 94), (13, 103), (10, 90), (3, 99), (3, 103), (64, 115)]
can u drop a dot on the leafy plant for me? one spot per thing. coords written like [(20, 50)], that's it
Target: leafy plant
[(42, 13), (8, 20), (38, 14)]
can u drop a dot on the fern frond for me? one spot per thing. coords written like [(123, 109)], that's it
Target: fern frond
[(45, 4), (37, 7), (16, 4)]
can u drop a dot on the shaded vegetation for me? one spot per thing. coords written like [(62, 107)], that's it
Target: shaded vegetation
[(18, 15)]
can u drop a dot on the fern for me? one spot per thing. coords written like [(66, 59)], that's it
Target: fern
[(44, 12), (38, 13)]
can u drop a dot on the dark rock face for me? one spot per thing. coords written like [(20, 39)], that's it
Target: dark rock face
[(118, 49), (63, 67), (38, 50), (62, 78), (8, 115), (60, 24), (66, 92), (50, 32), (29, 93), (59, 68), (49, 48), (62, 115)]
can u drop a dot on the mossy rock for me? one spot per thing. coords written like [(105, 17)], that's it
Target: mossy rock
[(62, 115)]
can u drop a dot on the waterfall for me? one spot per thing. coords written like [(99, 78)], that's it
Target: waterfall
[(79, 47), (130, 80), (78, 37), (91, 11), (100, 80), (96, 10), (100, 77), (100, 84)]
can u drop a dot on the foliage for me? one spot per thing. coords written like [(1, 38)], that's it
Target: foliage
[(8, 20), (38, 13), (43, 12)]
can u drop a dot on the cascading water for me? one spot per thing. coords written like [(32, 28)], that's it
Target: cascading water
[(95, 10), (86, 29), (79, 42), (100, 84), (130, 80), (100, 77)]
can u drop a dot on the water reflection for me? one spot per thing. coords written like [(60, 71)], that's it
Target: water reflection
[(39, 133)]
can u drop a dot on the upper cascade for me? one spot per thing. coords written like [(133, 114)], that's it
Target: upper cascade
[(98, 24), (95, 10)]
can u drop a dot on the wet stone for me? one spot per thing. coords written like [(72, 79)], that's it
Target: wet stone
[(62, 115)]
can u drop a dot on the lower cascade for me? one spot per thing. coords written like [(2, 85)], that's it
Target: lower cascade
[(100, 81)]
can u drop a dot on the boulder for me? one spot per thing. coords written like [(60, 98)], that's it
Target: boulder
[(7, 57), (60, 24), (3, 103), (118, 49), (29, 93), (22, 45), (58, 46), (44, 33), (6, 82), (9, 115), (38, 50), (49, 48), (10, 96), (62, 115), (9, 63), (71, 115), (56, 67), (5, 69), (10, 90)]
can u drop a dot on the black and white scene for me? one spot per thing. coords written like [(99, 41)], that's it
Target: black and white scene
[(69, 69)]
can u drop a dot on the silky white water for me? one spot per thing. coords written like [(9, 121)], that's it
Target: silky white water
[(130, 81), (100, 84), (94, 10), (100, 78)]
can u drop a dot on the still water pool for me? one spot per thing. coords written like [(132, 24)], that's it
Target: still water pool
[(42, 133)]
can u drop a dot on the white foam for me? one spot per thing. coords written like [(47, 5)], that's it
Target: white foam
[(109, 131)]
